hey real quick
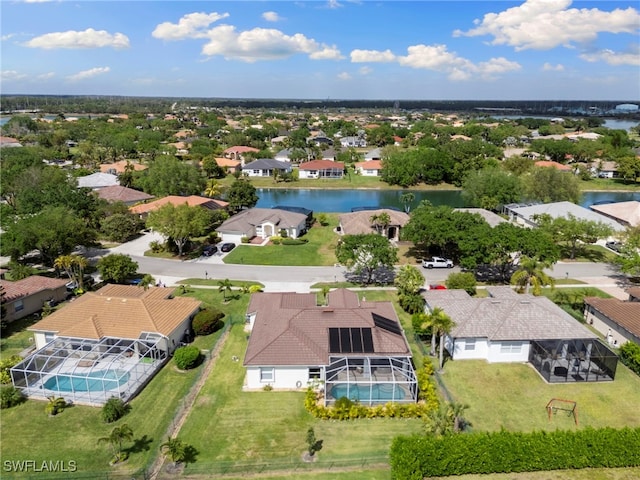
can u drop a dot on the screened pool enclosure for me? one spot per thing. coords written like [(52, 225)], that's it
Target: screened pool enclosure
[(371, 380), (87, 371)]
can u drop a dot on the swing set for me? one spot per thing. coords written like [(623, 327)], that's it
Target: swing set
[(556, 405)]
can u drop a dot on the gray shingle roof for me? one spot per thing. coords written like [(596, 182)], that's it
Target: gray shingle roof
[(267, 164), (564, 209), (247, 220)]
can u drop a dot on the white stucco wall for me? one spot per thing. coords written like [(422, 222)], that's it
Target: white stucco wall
[(291, 377), (231, 237), (495, 355), (368, 173), (480, 350)]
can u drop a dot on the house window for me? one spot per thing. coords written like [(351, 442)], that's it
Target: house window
[(49, 336), (257, 172), (470, 344), (267, 374), (314, 372), (510, 347), (18, 305)]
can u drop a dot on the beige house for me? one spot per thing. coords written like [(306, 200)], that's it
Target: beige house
[(27, 296), (263, 223), (617, 320), (143, 209), (356, 223)]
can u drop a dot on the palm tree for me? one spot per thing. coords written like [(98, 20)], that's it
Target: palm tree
[(147, 281), (213, 188), (224, 286), (65, 262), (380, 222), (80, 263), (530, 272), (55, 405), (175, 448), (444, 326), (407, 199), (431, 320), (115, 439)]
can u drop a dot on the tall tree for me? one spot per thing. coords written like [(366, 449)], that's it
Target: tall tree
[(118, 435), (180, 223), (530, 273), (440, 324), (547, 185), (367, 255), (241, 195), (629, 258), (573, 231), (490, 188), (116, 268), (407, 199), (167, 175), (380, 222), (175, 448)]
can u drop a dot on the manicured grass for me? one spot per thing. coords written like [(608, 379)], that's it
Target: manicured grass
[(513, 396), (319, 251), (216, 283), (587, 253)]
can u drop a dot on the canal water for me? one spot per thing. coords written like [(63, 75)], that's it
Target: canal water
[(341, 201)]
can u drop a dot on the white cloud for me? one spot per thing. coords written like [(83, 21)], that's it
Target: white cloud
[(271, 16), (547, 67), (263, 44), (88, 38), (362, 56), (46, 76), (365, 70), (7, 36), (12, 75), (613, 58), (334, 4), (85, 74), (192, 25), (546, 24), (344, 76)]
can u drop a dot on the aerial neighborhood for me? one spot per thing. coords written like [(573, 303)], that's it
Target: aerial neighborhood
[(162, 319)]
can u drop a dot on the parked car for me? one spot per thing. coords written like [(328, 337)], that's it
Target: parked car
[(437, 287), (613, 245), (209, 250), (227, 247), (437, 262)]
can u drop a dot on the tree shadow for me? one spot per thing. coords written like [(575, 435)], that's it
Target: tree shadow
[(142, 444), (190, 454)]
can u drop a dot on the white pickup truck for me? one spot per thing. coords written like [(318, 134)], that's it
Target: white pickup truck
[(437, 262)]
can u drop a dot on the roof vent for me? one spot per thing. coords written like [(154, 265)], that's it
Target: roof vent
[(525, 302), (327, 310)]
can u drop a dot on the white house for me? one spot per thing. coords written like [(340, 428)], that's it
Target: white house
[(353, 347), (353, 141), (321, 169), (98, 180), (264, 167), (371, 168), (263, 223), (511, 327)]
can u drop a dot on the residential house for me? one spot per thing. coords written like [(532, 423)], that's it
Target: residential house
[(375, 154), (229, 165), (105, 343), (617, 320), (361, 222), (321, 169), (264, 167), (552, 164), (98, 180), (293, 155), (9, 142), (239, 153), (605, 169), (354, 348), (24, 297), (625, 213), (525, 214), (118, 168), (372, 168), (118, 193), (353, 141), (511, 327), (262, 223), (144, 209)]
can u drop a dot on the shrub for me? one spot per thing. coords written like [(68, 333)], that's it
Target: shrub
[(268, 387), (156, 246), (10, 396), (420, 456), (55, 405), (187, 357), (114, 409), (207, 321), (5, 366), (283, 233), (630, 356), (244, 239), (462, 281)]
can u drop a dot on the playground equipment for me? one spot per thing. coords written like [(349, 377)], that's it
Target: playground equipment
[(556, 405)]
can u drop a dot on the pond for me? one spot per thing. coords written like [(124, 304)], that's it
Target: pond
[(340, 201)]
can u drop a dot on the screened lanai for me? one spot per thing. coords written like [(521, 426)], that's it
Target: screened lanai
[(86, 371), (574, 360), (371, 380)]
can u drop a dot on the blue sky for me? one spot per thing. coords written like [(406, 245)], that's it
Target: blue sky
[(337, 49)]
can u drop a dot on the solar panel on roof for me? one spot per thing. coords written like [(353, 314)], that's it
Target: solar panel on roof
[(356, 340), (367, 341), (386, 324), (345, 340), (334, 340)]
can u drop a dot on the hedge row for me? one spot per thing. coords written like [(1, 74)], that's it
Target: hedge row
[(419, 456), (345, 409), (630, 356)]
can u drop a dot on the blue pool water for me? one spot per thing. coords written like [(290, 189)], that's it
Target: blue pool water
[(363, 393), (98, 381)]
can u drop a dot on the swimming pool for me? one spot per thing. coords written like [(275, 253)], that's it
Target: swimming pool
[(366, 393), (98, 381)]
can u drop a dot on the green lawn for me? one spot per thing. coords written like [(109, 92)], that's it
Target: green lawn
[(513, 396), (319, 251)]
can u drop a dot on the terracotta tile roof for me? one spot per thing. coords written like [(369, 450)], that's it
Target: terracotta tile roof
[(240, 149), (9, 140), (549, 163), (120, 166), (624, 313), (370, 165), (634, 292), (321, 165), (355, 223), (119, 193), (290, 329), (29, 286), (192, 201), (228, 162), (506, 315), (120, 311)]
